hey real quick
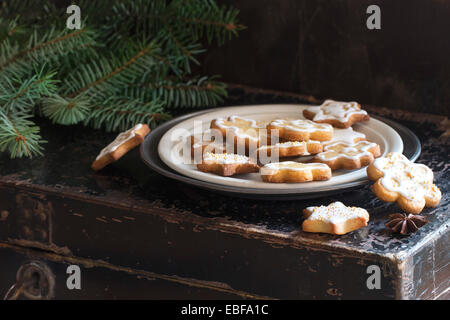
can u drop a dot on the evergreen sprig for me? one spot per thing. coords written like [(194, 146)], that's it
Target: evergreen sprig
[(11, 29), (207, 19), (21, 95), (42, 48), (130, 63), (195, 92), (107, 75), (119, 113), (19, 136)]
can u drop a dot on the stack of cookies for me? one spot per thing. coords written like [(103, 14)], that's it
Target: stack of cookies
[(310, 149), (321, 143)]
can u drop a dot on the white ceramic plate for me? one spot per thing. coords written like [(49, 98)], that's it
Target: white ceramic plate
[(171, 145)]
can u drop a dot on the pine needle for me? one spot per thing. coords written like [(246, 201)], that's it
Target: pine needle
[(19, 136), (132, 65)]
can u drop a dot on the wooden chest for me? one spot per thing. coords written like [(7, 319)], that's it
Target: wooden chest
[(136, 234)]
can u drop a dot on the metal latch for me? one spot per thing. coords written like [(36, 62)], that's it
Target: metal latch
[(34, 281)]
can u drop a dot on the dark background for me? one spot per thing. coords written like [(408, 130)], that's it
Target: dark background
[(323, 48)]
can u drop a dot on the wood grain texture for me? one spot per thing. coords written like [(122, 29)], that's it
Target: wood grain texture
[(324, 49), (131, 217)]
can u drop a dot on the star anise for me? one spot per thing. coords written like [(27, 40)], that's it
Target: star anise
[(405, 224)]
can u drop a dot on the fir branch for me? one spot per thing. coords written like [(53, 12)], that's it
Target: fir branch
[(118, 113), (104, 77), (21, 95), (66, 111), (10, 29), (114, 72), (196, 92), (31, 12), (180, 45), (205, 18), (137, 75), (134, 17), (45, 48), (19, 136)]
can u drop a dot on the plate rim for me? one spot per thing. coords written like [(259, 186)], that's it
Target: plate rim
[(250, 192), (389, 137)]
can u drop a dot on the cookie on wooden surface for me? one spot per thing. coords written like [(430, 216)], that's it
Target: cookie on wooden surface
[(407, 183), (335, 218), (121, 145)]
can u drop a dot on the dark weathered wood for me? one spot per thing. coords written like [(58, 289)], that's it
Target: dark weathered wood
[(127, 216), (323, 48), (102, 281)]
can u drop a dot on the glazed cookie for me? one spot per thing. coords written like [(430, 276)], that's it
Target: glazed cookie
[(335, 218), (226, 164), (121, 145), (291, 149), (210, 140), (348, 155), (300, 130), (290, 171), (345, 135), (409, 184), (244, 132), (337, 113), (204, 146)]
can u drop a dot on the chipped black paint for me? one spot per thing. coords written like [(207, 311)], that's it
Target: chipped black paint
[(128, 183)]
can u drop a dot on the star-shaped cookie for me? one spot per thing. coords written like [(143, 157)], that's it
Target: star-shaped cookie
[(335, 218), (290, 171), (226, 164), (337, 113), (345, 135), (348, 155), (300, 130), (246, 132), (290, 149)]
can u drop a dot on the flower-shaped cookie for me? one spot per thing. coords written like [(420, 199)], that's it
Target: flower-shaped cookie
[(300, 130), (348, 155), (407, 183), (339, 114), (290, 171), (335, 218)]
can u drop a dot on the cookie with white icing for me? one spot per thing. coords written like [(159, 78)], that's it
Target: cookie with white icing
[(335, 218), (300, 130), (345, 135), (337, 113), (210, 140), (244, 132), (226, 164), (291, 149), (343, 155), (409, 184), (124, 142), (292, 172)]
